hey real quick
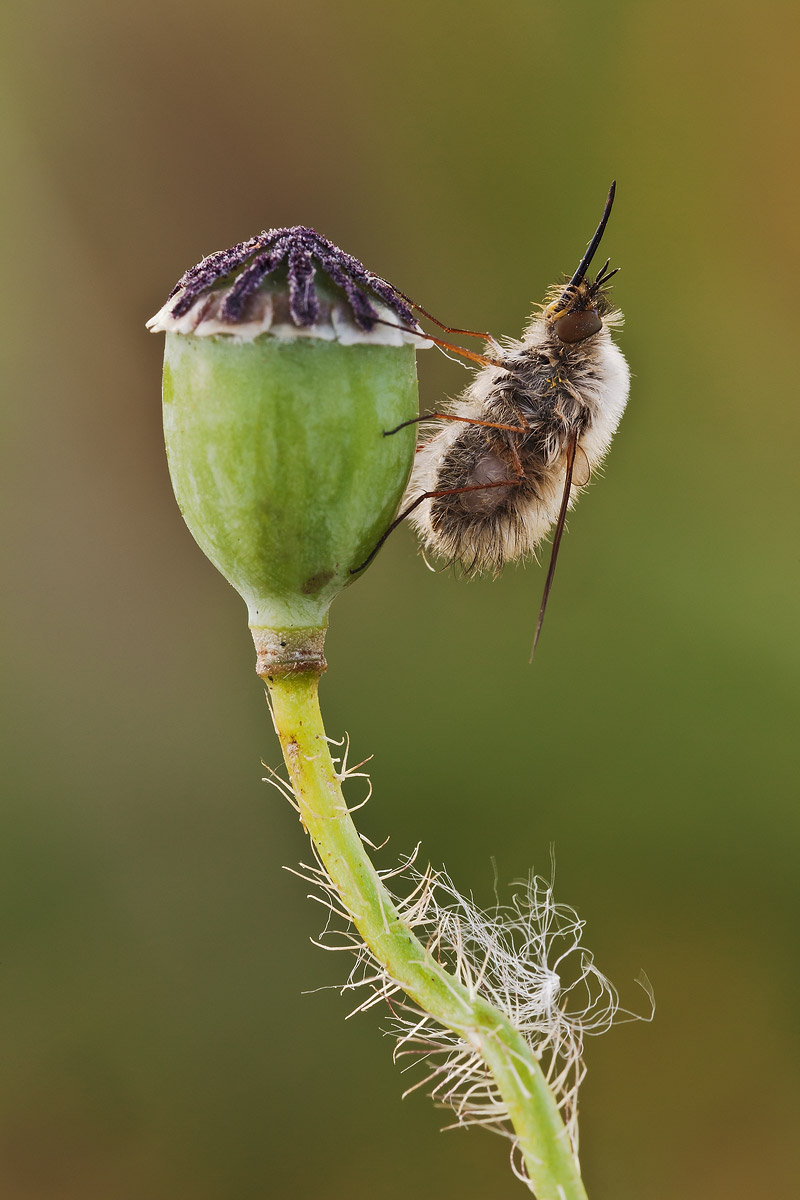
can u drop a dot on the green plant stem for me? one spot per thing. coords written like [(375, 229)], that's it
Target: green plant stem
[(543, 1139)]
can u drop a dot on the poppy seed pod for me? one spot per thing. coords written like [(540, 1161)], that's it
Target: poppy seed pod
[(285, 363)]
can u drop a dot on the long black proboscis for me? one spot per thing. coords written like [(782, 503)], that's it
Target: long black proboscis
[(591, 249)]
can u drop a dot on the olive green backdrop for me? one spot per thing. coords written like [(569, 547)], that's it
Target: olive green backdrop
[(155, 1039)]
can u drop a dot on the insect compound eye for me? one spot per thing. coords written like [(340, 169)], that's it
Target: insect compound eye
[(577, 325)]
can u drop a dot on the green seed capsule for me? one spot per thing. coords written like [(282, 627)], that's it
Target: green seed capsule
[(275, 437)]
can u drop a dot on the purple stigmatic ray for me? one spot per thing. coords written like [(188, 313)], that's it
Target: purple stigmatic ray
[(232, 307), (303, 301), (209, 269), (305, 253)]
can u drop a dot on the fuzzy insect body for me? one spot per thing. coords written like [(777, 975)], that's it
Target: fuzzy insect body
[(560, 403), (508, 459)]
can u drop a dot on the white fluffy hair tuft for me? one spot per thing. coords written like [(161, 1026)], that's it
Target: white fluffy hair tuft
[(525, 957)]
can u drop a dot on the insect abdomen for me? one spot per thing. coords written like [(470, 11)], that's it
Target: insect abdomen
[(552, 394)]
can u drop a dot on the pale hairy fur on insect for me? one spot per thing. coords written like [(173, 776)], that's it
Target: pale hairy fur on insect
[(549, 388), (525, 957)]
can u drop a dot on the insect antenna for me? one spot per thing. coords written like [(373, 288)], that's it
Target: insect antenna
[(562, 516), (603, 277), (591, 249)]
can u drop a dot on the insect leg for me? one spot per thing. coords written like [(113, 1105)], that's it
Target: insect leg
[(451, 417), (428, 337), (562, 516), (514, 452), (472, 487), (487, 337)]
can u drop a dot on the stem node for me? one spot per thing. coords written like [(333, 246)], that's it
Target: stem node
[(281, 653)]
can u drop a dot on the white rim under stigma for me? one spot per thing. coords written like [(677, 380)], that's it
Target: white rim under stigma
[(269, 314)]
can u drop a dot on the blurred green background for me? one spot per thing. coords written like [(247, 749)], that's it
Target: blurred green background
[(156, 1041)]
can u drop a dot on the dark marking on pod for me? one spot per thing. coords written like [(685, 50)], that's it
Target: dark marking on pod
[(315, 583)]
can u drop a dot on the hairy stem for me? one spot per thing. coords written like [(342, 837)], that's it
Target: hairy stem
[(543, 1139)]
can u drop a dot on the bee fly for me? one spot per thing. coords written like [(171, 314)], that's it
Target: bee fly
[(511, 455)]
